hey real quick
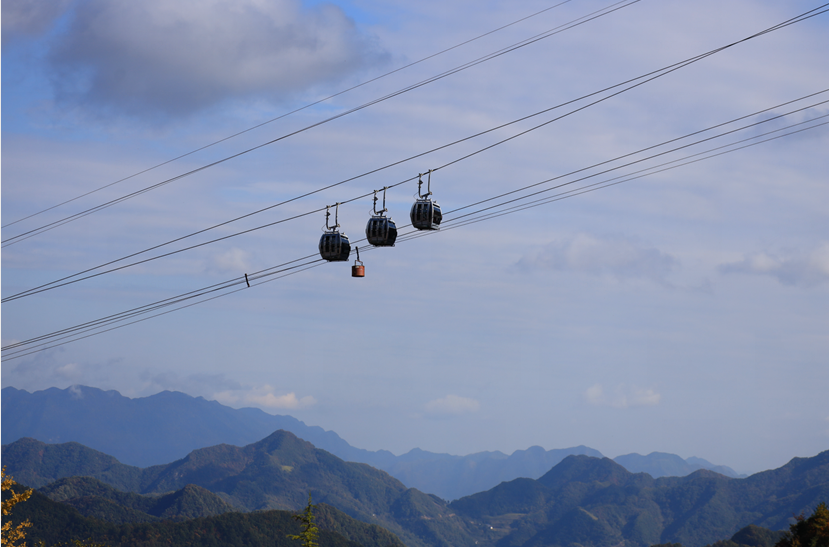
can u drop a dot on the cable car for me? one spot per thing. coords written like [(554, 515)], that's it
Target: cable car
[(358, 270), (334, 246), (381, 231), (425, 213)]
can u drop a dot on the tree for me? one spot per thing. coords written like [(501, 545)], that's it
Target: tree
[(11, 534), (808, 532), (309, 533)]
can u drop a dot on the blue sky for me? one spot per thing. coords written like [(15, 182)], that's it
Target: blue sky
[(682, 312)]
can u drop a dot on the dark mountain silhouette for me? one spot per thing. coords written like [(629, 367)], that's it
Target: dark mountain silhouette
[(169, 425)]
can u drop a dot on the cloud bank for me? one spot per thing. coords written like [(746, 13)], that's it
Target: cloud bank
[(622, 396), (233, 260), (451, 405), (264, 396), (800, 269), (173, 58), (29, 17), (617, 257)]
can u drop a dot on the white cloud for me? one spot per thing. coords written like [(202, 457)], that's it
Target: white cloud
[(264, 396), (163, 58), (595, 394), (804, 269), (615, 256), (69, 371), (231, 261), (452, 404), (622, 396)]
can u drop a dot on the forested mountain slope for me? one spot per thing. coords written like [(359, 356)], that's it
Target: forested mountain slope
[(597, 502), (57, 523), (277, 472)]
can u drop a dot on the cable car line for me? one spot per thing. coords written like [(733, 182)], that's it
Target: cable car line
[(121, 316), (597, 186), (557, 30), (799, 18), (97, 324), (613, 181), (68, 280), (20, 354), (294, 111), (658, 73), (649, 157)]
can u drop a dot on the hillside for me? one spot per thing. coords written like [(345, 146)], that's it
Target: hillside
[(55, 523), (93, 498), (597, 502), (277, 472)]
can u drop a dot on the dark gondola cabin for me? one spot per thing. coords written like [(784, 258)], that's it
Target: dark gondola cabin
[(334, 246), (426, 214), (381, 231)]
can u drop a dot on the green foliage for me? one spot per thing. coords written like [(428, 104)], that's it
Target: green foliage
[(310, 532), (57, 524), (98, 500), (809, 532), (37, 464), (751, 536), (75, 543)]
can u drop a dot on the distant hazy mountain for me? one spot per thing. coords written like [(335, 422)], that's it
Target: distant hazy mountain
[(452, 477), (590, 501), (148, 430), (660, 464), (169, 425)]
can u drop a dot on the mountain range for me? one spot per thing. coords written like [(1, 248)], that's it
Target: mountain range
[(584, 500), (169, 425), (277, 472)]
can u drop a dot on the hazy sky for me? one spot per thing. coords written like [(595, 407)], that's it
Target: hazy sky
[(684, 312)]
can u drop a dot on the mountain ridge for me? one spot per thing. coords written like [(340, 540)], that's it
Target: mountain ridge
[(169, 425)]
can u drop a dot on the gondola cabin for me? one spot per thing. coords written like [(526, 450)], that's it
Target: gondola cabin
[(334, 246), (426, 214), (381, 231)]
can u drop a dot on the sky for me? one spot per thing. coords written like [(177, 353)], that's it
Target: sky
[(686, 311)]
